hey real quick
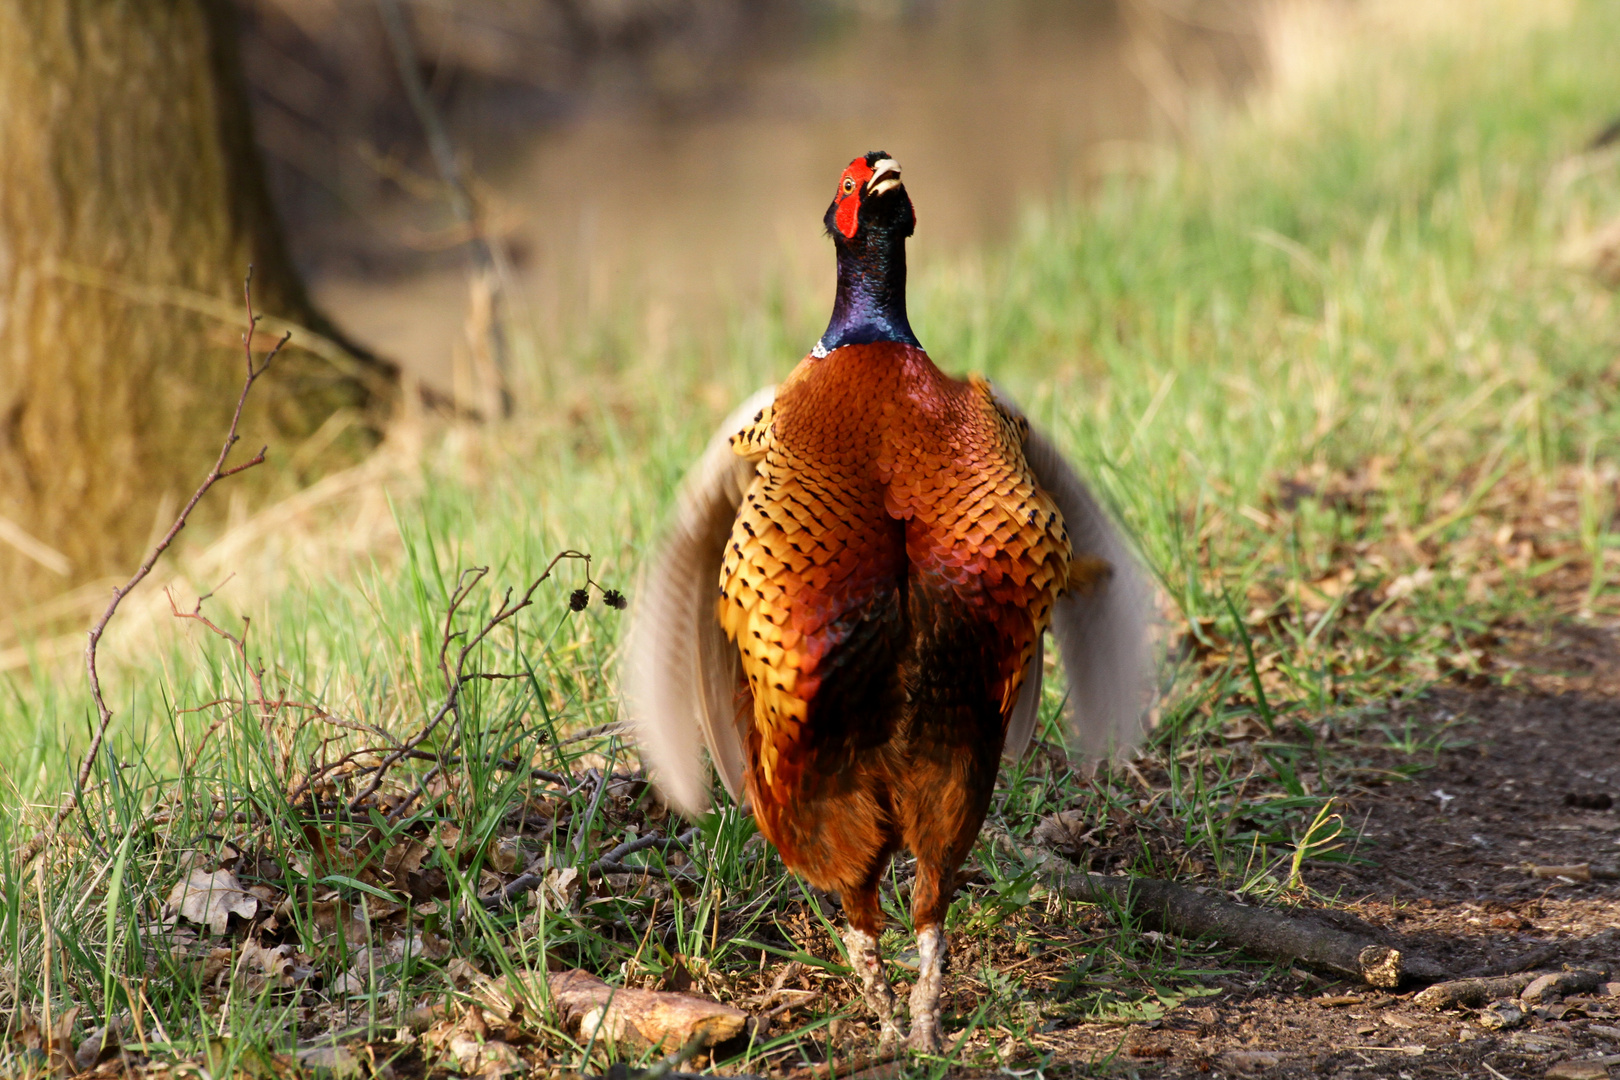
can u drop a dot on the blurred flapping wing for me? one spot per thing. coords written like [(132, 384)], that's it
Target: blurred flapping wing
[(1101, 631), (681, 674)]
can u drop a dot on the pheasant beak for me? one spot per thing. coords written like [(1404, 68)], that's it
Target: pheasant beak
[(885, 176)]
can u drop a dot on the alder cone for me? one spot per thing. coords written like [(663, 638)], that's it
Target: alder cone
[(132, 201)]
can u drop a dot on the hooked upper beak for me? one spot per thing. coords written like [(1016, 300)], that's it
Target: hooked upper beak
[(885, 176)]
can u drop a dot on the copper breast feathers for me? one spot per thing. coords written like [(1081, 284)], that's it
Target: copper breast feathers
[(879, 478)]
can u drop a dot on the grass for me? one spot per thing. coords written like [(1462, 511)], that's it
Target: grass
[(1331, 366)]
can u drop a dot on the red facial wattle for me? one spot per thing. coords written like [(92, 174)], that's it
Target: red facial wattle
[(849, 196)]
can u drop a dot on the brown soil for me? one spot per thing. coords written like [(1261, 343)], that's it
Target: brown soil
[(1523, 776)]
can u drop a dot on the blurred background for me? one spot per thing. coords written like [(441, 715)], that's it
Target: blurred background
[(680, 152), (472, 209)]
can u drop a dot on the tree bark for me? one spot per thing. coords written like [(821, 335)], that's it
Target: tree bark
[(132, 201)]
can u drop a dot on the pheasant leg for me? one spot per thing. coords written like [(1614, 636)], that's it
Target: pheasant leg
[(875, 988), (931, 954)]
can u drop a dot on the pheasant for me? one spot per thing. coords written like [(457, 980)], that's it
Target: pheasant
[(850, 607)]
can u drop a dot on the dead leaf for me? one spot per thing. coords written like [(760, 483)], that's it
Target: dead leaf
[(210, 899), (507, 855), (282, 965), (335, 1061), (1149, 1050), (491, 1059), (641, 1018), (215, 963), (99, 1045), (332, 912), (1407, 584), (249, 1060), (462, 973), (330, 856), (350, 984), (1578, 1070), (405, 859), (1251, 1061), (563, 884)]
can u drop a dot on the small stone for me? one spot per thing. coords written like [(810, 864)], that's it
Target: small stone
[(1500, 1016), (1250, 1061)]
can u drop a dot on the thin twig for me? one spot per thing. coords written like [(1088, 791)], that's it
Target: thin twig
[(455, 674), (607, 864), (219, 472), (410, 800), (505, 764), (615, 727)]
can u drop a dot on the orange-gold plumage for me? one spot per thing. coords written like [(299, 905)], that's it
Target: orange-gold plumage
[(884, 491), (890, 545)]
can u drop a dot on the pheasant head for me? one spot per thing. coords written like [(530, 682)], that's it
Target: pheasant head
[(869, 220)]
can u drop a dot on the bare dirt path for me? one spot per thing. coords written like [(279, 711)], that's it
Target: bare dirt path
[(1524, 776)]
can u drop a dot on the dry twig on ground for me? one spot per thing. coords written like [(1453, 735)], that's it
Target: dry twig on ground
[(1270, 933), (611, 863), (1533, 987)]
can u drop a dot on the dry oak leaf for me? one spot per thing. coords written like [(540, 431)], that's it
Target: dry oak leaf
[(209, 899), (338, 1062), (283, 965), (489, 1059)]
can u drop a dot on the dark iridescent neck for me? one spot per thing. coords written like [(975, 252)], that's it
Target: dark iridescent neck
[(871, 301)]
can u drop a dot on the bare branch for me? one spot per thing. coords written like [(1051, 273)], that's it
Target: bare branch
[(611, 863), (219, 472), (489, 261), (456, 676)]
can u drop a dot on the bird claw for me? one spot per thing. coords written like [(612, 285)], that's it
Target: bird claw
[(932, 953), (875, 988), (924, 1038)]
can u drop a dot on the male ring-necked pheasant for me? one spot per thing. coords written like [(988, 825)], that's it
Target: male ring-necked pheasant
[(850, 607)]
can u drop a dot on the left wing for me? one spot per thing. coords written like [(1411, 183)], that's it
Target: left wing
[(1101, 631)]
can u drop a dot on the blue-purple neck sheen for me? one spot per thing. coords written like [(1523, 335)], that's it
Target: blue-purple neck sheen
[(871, 301)]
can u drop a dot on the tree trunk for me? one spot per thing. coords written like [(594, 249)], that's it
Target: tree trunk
[(132, 201)]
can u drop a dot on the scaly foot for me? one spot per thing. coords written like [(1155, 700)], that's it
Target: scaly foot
[(875, 988), (931, 955)]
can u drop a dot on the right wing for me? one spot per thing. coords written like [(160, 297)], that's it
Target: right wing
[(681, 673)]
